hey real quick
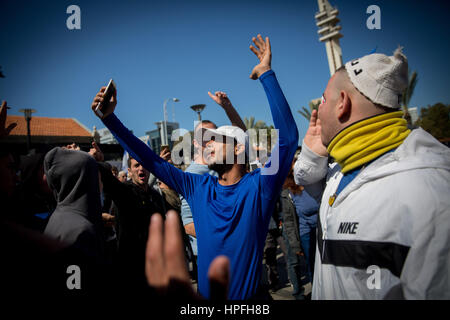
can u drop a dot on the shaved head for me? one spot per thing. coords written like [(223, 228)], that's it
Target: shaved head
[(343, 105)]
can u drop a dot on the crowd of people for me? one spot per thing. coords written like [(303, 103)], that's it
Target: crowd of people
[(360, 210)]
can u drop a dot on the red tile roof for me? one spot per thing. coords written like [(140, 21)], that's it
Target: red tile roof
[(44, 126)]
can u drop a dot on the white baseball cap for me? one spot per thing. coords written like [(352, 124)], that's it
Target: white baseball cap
[(227, 131), (380, 78)]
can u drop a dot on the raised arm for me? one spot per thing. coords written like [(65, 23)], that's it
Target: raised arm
[(222, 100), (278, 166), (181, 182)]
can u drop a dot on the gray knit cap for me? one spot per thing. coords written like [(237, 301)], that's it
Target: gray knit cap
[(380, 78)]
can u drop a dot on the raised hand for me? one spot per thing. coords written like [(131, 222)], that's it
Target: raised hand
[(165, 154), (220, 98), (165, 264), (312, 138), (5, 131), (96, 152), (111, 104), (264, 54)]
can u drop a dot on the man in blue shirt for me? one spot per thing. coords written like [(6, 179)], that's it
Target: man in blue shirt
[(231, 212), (200, 166)]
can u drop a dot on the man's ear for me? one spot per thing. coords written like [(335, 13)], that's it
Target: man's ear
[(344, 107)]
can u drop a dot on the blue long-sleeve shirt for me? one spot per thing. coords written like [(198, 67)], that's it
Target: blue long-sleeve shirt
[(229, 220)]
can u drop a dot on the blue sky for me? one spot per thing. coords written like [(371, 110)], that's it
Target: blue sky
[(160, 49)]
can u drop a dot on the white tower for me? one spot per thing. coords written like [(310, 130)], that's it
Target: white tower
[(329, 33)]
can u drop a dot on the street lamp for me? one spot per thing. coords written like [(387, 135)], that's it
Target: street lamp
[(198, 108), (27, 113), (164, 138)]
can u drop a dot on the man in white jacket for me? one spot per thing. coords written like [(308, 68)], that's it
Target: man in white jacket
[(384, 222)]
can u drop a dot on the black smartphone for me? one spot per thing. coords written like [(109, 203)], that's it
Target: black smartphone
[(101, 108)]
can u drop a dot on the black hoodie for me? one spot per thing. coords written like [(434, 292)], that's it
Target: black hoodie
[(76, 221), (34, 204)]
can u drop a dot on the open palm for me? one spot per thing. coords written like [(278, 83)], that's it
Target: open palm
[(264, 54), (313, 136)]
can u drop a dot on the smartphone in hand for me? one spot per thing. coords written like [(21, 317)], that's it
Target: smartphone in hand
[(102, 108)]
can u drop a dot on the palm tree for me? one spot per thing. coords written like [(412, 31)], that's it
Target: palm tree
[(251, 124), (407, 94), (313, 105)]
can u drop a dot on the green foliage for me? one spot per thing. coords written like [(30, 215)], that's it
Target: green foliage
[(260, 125), (436, 120), (251, 124), (313, 105)]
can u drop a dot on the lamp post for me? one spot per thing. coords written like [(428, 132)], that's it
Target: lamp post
[(198, 108), (27, 113), (164, 138)]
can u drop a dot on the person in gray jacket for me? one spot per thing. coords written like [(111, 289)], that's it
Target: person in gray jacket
[(77, 221)]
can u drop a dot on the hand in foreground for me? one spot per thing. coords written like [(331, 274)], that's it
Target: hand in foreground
[(220, 98), (96, 152), (264, 55), (165, 264), (111, 104), (5, 131), (312, 137)]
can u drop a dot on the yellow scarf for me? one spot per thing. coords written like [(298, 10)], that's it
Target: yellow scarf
[(367, 139)]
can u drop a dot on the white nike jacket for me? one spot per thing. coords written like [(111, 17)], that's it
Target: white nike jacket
[(387, 234)]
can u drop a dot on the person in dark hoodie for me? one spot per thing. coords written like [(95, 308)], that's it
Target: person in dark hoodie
[(35, 198), (74, 179)]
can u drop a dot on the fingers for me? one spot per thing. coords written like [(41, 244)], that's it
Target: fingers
[(154, 264), (219, 278), (10, 127), (165, 154), (98, 98), (313, 119), (258, 41), (173, 249), (267, 45), (262, 45), (212, 96), (256, 52), (3, 110), (96, 147)]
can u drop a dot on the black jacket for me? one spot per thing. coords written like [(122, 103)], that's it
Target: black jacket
[(134, 210), (288, 215)]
